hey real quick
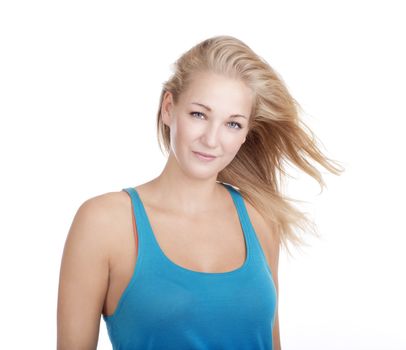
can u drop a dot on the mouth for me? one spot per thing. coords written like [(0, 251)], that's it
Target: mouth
[(204, 155)]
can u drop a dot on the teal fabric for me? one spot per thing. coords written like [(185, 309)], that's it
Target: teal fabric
[(166, 306)]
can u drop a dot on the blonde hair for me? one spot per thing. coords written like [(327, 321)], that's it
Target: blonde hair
[(275, 133)]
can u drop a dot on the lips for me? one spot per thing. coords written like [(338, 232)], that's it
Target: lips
[(206, 154)]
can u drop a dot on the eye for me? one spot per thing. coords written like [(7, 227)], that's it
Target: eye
[(194, 114), (235, 123)]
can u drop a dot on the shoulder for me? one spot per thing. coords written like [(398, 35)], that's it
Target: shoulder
[(105, 201), (103, 209), (99, 221)]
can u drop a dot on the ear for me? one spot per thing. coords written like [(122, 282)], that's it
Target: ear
[(166, 108)]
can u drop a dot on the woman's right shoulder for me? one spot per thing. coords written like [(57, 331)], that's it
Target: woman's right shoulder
[(105, 218), (105, 208), (106, 204)]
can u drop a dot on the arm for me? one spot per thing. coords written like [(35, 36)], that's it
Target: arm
[(83, 279)]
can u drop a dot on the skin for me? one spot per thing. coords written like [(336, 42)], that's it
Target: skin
[(99, 233)]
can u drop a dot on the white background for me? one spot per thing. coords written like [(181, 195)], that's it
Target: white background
[(79, 89)]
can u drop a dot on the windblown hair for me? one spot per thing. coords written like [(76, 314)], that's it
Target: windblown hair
[(276, 133)]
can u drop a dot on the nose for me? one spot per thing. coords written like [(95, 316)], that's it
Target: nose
[(210, 136)]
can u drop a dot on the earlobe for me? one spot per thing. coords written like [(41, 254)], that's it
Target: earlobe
[(165, 117)]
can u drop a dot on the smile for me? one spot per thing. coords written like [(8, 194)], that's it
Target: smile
[(203, 156)]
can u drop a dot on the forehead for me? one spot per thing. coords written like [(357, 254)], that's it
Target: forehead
[(211, 88)]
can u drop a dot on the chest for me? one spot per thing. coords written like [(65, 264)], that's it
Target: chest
[(213, 243)]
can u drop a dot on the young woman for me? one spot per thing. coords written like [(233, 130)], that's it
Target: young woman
[(189, 260)]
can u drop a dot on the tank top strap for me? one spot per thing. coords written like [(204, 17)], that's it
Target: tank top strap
[(144, 230), (241, 209), (155, 257), (257, 254)]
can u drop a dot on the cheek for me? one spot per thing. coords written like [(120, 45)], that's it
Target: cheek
[(233, 142), (188, 130)]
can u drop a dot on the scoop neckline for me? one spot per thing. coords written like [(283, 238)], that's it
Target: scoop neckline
[(243, 225)]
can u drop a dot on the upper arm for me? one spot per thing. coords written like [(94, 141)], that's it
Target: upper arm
[(83, 279)]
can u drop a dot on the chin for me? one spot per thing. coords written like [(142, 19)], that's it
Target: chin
[(200, 172)]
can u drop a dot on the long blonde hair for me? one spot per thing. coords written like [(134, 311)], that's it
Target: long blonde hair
[(276, 133)]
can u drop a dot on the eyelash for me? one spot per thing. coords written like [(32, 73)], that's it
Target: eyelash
[(239, 125)]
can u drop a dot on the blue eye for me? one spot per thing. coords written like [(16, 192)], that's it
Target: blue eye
[(235, 123), (194, 114)]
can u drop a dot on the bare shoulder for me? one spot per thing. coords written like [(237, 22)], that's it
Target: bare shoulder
[(108, 202), (99, 222), (107, 215)]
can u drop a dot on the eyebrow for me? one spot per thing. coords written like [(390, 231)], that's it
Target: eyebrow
[(209, 109)]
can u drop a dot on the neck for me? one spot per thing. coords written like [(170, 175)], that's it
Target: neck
[(189, 195)]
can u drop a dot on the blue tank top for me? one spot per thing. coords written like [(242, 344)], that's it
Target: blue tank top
[(166, 306)]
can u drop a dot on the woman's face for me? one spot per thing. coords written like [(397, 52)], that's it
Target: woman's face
[(211, 117)]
